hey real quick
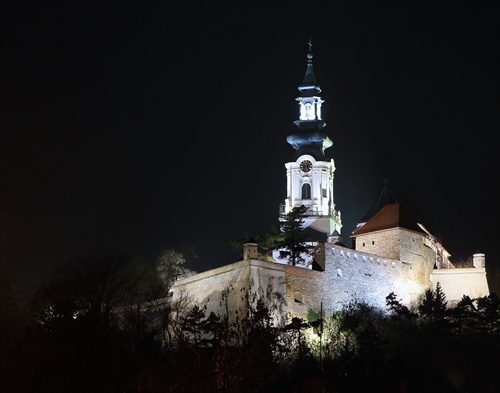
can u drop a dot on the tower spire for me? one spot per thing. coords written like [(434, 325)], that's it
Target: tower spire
[(309, 86), (310, 139)]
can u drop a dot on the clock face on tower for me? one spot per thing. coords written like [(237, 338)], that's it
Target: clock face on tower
[(305, 166)]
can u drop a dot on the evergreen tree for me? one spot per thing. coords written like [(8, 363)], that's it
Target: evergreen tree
[(488, 308), (464, 315), (290, 238), (398, 311), (434, 308)]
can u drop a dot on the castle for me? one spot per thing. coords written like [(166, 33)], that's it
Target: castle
[(391, 252)]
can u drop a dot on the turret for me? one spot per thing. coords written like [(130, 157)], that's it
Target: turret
[(479, 260)]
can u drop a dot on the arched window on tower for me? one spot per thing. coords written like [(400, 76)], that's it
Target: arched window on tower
[(309, 111), (306, 191)]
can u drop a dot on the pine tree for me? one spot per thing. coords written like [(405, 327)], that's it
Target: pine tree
[(434, 308), (290, 238)]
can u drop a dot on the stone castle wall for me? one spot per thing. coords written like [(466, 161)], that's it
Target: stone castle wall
[(386, 243), (242, 281), (422, 258), (303, 290), (349, 275), (402, 245), (458, 282), (359, 275), (206, 289)]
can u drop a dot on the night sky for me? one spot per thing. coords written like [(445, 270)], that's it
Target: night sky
[(135, 126)]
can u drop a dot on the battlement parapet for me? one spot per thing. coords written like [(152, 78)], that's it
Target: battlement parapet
[(360, 256)]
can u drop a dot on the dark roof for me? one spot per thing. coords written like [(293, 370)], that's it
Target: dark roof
[(390, 216), (386, 197), (315, 235), (309, 87)]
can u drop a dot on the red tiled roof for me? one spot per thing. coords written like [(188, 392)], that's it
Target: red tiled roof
[(390, 216)]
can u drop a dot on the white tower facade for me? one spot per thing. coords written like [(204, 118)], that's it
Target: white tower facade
[(310, 177), (310, 183)]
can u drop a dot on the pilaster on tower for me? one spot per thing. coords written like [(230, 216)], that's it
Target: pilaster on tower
[(310, 176)]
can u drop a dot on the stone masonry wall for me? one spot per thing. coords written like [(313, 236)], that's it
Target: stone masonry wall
[(241, 279), (385, 243), (206, 288), (303, 289), (351, 275), (402, 245), (456, 283), (421, 257)]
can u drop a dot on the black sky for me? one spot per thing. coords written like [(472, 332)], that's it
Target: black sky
[(132, 126)]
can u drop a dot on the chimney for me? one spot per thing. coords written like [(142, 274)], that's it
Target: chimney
[(250, 251), (479, 260)]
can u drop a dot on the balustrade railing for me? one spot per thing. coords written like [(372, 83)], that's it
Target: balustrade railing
[(309, 212)]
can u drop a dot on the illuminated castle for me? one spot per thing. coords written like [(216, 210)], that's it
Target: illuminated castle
[(392, 252)]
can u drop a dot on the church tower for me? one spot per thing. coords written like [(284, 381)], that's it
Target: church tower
[(310, 176)]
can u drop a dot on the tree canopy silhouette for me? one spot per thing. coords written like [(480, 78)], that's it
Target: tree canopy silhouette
[(289, 237)]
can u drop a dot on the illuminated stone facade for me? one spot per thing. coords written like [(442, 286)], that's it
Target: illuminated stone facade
[(349, 275), (229, 289)]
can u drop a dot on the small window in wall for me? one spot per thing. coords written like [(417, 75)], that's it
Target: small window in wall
[(373, 242), (323, 191), (309, 111), (297, 297), (306, 191), (363, 244)]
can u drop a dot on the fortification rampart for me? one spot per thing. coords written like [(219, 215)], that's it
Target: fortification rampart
[(351, 275), (241, 281), (354, 275), (456, 283), (401, 245), (302, 289), (347, 275)]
